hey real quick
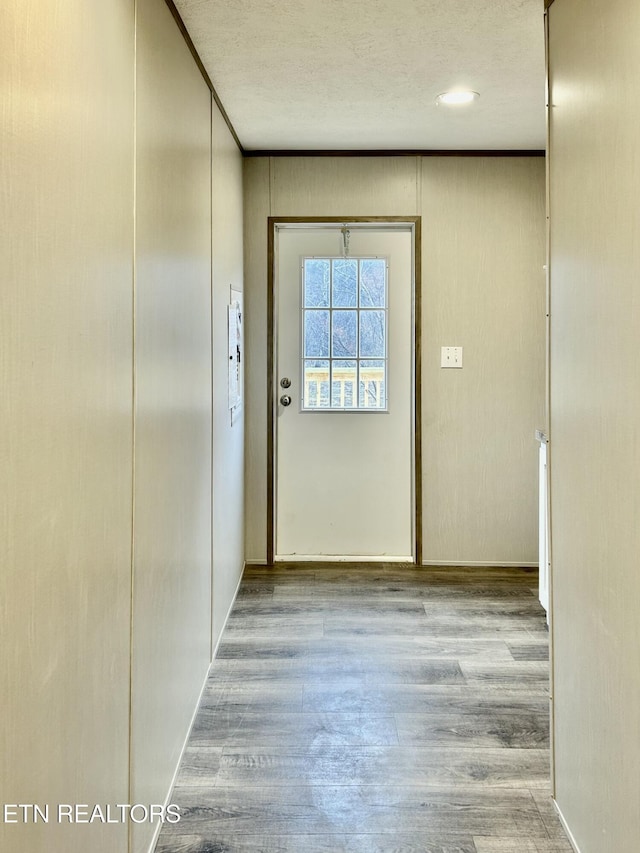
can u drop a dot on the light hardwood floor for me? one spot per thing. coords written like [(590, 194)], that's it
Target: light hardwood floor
[(373, 710)]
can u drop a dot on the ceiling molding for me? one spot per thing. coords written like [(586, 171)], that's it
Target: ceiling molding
[(420, 152), (185, 34)]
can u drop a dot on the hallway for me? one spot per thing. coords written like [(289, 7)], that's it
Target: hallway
[(373, 709)]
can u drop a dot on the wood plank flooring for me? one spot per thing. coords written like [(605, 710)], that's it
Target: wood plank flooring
[(373, 710)]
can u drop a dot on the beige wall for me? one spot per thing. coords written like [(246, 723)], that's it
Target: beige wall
[(595, 411), (78, 628), (228, 438), (65, 454), (173, 419), (483, 288)]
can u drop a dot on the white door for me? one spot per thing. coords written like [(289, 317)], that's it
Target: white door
[(344, 356)]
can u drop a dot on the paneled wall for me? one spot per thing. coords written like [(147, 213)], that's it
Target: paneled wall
[(65, 454), (103, 299), (173, 412), (595, 412), (483, 288), (228, 436)]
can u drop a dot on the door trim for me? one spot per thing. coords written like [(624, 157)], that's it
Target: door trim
[(415, 223)]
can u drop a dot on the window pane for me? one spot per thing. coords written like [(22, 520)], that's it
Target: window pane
[(372, 281), (316, 333), (316, 283), (373, 385), (372, 333), (344, 379), (344, 336), (345, 283), (316, 384)]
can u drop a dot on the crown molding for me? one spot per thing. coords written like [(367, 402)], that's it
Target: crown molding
[(196, 56)]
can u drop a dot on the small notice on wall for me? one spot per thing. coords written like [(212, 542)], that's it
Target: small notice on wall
[(236, 359)]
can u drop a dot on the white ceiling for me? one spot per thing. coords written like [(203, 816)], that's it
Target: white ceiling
[(364, 74)]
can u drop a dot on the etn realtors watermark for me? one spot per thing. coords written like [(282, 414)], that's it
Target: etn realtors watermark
[(85, 813)]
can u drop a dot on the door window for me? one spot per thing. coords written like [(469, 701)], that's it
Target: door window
[(344, 334)]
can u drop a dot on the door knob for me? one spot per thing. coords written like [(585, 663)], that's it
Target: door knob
[(285, 400), (286, 383)]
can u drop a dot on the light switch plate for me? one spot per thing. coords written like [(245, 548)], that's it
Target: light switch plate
[(451, 357)]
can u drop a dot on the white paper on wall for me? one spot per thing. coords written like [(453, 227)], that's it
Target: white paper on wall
[(236, 358)]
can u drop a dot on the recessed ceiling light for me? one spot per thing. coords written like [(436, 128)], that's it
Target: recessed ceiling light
[(457, 97)]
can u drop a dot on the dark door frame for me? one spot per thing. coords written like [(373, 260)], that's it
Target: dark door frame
[(416, 224)]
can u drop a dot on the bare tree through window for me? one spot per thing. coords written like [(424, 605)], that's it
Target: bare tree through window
[(344, 333)]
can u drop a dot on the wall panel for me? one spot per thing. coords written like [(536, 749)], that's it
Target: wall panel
[(228, 438), (173, 419), (257, 208), (66, 413), (595, 412), (483, 289), (344, 186)]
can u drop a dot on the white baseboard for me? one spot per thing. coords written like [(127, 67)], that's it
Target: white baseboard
[(498, 564), (565, 826)]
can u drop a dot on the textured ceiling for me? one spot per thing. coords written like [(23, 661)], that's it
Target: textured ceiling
[(331, 74)]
